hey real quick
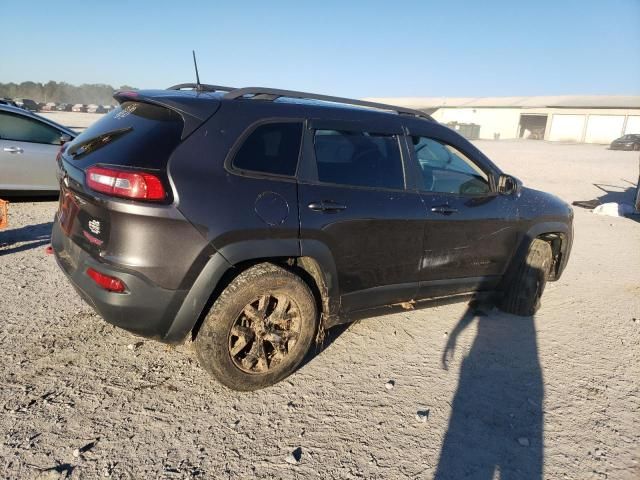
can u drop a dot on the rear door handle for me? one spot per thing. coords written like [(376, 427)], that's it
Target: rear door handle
[(444, 210), (326, 206), (13, 149)]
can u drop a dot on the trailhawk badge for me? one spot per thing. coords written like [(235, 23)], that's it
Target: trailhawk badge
[(94, 226)]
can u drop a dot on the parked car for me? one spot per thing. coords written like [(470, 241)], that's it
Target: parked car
[(48, 107), (29, 144), (79, 107), (27, 104), (102, 109), (285, 212), (64, 107), (91, 108), (630, 141)]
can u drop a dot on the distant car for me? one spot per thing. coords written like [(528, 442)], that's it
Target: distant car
[(91, 108), (64, 107), (102, 109), (79, 107), (27, 104), (630, 141), (29, 144), (48, 107)]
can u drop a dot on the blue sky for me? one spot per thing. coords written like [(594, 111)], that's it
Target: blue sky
[(421, 48)]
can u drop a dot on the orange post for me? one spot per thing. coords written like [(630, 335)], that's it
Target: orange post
[(4, 214)]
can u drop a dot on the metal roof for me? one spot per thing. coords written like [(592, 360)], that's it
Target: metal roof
[(561, 101)]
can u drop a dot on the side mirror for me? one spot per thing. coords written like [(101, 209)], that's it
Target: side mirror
[(64, 138), (509, 185)]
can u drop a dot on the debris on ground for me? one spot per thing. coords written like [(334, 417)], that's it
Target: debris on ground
[(524, 441), (294, 457), (422, 415), (613, 209)]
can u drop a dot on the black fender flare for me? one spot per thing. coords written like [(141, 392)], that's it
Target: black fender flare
[(535, 231), (312, 256)]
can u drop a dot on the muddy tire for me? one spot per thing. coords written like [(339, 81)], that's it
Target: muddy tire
[(259, 329), (522, 296)]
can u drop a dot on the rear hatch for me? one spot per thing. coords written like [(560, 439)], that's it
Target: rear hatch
[(135, 140)]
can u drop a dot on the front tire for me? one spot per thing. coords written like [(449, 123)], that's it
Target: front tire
[(259, 329), (522, 296)]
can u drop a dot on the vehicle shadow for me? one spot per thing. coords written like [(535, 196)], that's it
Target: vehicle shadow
[(613, 194), (496, 422), (29, 237)]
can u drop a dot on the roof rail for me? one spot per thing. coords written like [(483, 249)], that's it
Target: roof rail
[(274, 93), (203, 87)]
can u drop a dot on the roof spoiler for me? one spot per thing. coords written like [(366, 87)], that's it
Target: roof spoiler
[(191, 108)]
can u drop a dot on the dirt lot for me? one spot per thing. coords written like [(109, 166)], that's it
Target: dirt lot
[(555, 396)]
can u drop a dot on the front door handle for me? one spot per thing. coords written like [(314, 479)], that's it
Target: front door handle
[(326, 206), (13, 149), (444, 210)]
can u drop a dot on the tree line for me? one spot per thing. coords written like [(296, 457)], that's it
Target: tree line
[(62, 92)]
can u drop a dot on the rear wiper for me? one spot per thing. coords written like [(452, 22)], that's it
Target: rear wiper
[(97, 142)]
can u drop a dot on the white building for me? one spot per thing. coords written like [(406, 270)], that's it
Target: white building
[(587, 119)]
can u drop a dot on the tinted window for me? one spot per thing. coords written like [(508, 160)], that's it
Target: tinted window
[(447, 170), (358, 158), (271, 148), (23, 129), (134, 134)]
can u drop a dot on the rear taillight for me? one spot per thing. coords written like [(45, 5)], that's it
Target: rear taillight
[(125, 183), (111, 284)]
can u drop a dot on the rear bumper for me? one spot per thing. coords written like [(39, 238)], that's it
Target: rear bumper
[(145, 309)]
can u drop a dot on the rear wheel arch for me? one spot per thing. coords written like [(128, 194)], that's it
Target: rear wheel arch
[(318, 273)]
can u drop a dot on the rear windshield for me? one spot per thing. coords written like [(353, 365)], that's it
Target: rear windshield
[(135, 134)]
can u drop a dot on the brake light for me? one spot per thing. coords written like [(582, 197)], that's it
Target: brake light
[(111, 284), (125, 183)]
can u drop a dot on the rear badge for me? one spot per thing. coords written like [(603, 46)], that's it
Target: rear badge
[(94, 226)]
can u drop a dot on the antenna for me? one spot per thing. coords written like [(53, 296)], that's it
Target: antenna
[(195, 64)]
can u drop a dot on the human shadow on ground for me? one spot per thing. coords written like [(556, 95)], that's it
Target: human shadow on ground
[(28, 237), (496, 422)]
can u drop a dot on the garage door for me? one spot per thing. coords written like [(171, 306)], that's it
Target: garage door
[(633, 124), (566, 128), (603, 128)]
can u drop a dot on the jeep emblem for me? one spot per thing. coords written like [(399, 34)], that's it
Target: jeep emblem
[(94, 226)]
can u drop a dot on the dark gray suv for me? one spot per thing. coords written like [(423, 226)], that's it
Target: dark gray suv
[(251, 220)]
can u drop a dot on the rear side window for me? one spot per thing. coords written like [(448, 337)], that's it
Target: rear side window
[(22, 129), (358, 158), (134, 134), (271, 148)]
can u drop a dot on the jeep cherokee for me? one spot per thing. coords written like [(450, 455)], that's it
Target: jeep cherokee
[(250, 220)]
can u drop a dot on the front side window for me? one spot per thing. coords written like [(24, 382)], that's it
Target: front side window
[(22, 129), (447, 170), (358, 158), (271, 148)]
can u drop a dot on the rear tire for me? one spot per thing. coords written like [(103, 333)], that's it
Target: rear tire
[(522, 296), (259, 329)]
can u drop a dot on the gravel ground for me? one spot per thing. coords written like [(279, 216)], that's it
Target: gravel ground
[(451, 391)]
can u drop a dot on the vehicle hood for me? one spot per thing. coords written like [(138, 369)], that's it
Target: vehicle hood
[(535, 204)]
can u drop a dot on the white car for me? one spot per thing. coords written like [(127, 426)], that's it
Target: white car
[(29, 144)]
